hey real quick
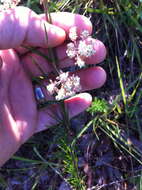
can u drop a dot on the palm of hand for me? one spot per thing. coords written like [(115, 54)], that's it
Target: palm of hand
[(19, 112), (19, 116), (18, 108)]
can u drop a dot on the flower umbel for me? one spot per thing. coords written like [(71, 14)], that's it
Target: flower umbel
[(85, 50), (82, 49), (64, 86)]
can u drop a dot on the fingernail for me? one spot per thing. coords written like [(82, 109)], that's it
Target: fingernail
[(39, 94)]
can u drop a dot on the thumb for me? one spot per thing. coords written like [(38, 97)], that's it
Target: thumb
[(23, 26)]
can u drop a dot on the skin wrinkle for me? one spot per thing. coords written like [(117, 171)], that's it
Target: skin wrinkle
[(9, 121), (27, 119), (9, 93), (11, 108), (4, 82), (10, 75), (48, 117), (5, 106), (8, 135)]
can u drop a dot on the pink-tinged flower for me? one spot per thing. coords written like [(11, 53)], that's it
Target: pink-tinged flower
[(85, 50), (51, 88), (63, 77), (73, 33), (82, 49), (80, 62), (64, 86), (71, 50), (85, 34), (61, 94)]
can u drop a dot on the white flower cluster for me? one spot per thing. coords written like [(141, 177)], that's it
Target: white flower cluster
[(6, 4), (82, 49), (64, 86)]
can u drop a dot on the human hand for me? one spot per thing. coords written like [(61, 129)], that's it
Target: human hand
[(19, 117)]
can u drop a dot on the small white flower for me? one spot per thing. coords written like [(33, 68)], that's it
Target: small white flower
[(84, 34), (80, 62), (71, 50), (76, 82), (71, 46), (68, 85), (61, 94), (63, 77), (51, 88), (73, 33), (86, 50)]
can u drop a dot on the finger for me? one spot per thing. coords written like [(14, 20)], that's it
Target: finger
[(97, 57), (23, 26), (52, 116), (67, 20), (90, 78), (29, 60)]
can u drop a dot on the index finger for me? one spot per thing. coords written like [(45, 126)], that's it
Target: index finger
[(67, 20)]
